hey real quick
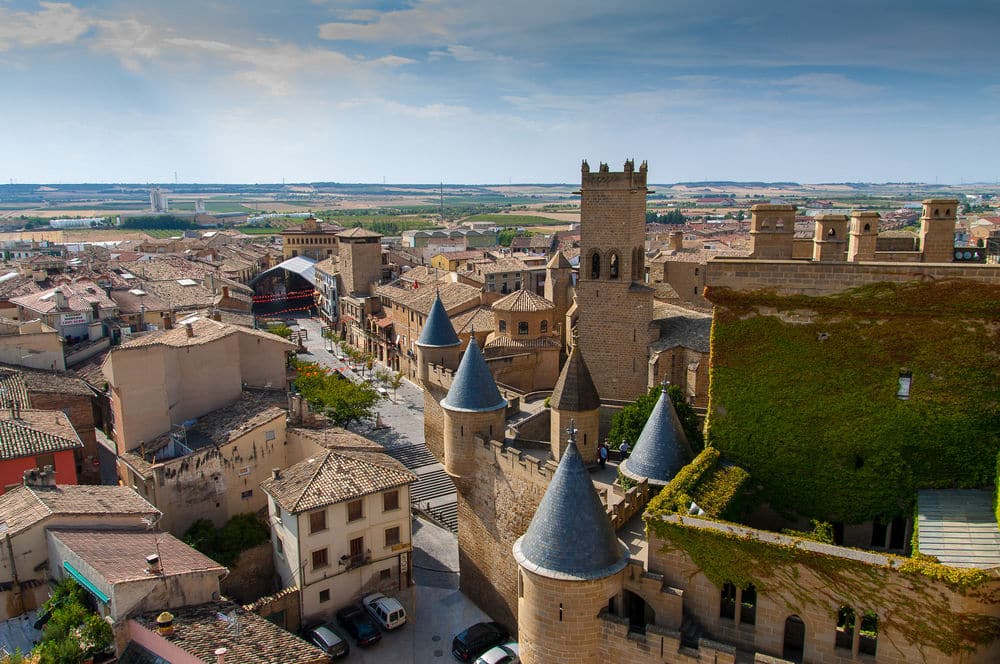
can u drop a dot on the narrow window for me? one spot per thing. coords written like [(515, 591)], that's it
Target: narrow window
[(357, 550), (544, 326), (879, 531), (748, 605), (868, 641), (905, 379), (897, 533), (727, 607), (560, 611), (845, 629), (520, 584), (595, 266), (613, 266), (503, 326)]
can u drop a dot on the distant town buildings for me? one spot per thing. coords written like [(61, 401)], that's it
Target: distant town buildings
[(158, 200)]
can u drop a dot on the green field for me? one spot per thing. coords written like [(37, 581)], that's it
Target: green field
[(516, 220), (210, 206)]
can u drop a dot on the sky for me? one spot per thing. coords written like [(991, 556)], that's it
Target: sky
[(463, 91)]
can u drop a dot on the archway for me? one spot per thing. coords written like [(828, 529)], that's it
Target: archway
[(795, 639), (638, 612)]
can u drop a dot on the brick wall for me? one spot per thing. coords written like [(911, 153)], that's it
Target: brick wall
[(80, 410)]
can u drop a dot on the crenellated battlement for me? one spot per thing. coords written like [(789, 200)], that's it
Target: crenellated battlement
[(629, 178)]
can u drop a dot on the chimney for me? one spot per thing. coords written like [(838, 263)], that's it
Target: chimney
[(216, 315), (676, 240), (153, 564), (40, 477), (165, 623), (276, 473), (220, 655), (168, 320), (62, 302), (189, 328), (225, 291)]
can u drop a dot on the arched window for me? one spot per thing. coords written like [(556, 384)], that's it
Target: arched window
[(868, 227), (868, 641), (832, 233), (544, 326), (845, 628), (613, 266), (595, 266)]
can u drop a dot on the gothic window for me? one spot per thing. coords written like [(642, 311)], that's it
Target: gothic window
[(868, 640), (613, 266), (845, 628), (595, 266)]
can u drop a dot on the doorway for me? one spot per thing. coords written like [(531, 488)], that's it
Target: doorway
[(795, 639)]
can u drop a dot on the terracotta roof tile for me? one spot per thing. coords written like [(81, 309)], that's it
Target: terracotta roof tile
[(34, 432), (205, 331), (522, 301), (23, 506), (333, 477), (199, 631), (120, 555)]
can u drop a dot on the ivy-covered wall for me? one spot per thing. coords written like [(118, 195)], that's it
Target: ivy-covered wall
[(803, 394)]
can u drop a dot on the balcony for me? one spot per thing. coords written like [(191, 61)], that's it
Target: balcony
[(357, 560)]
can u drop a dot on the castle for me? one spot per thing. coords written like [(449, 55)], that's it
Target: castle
[(846, 406)]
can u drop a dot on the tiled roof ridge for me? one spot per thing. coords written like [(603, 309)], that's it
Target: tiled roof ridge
[(312, 478)]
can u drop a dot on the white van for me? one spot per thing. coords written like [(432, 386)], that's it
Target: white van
[(389, 613)]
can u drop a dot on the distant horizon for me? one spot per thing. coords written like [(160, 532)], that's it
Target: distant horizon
[(471, 91)]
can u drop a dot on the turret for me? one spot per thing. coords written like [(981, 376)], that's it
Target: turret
[(438, 343), (772, 231), (473, 406), (662, 448), (570, 565), (937, 230), (830, 238), (558, 290), (575, 399), (864, 237)]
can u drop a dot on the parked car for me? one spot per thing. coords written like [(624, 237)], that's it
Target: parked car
[(387, 611), (478, 639), (508, 653), (357, 623), (328, 639)]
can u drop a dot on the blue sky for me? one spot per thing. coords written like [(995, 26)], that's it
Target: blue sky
[(486, 92)]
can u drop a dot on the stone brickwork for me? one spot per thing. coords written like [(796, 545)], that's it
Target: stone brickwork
[(816, 597), (588, 426), (937, 230), (830, 238), (772, 231), (612, 302), (799, 278), (556, 618), (493, 511), (658, 645), (360, 263)]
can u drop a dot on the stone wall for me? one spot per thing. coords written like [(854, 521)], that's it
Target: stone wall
[(920, 619), (801, 278), (252, 577), (658, 644), (80, 411), (493, 512), (281, 608)]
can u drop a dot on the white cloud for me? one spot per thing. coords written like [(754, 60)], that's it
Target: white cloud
[(435, 111), (467, 54), (827, 85), (55, 23)]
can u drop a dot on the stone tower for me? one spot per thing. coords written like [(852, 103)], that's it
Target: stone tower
[(830, 238), (937, 230), (662, 448), (864, 237), (473, 406), (360, 256), (772, 231), (614, 307), (570, 564), (575, 399), (559, 290)]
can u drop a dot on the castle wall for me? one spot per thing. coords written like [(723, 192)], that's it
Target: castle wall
[(493, 511), (920, 619), (800, 278)]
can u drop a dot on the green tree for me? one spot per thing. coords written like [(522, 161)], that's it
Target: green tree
[(395, 381), (342, 400), (627, 423)]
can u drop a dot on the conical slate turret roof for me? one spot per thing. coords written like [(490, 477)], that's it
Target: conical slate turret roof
[(662, 449), (438, 330), (575, 391), (473, 389), (570, 536)]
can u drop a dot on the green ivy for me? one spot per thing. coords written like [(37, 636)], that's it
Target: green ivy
[(712, 485), (225, 544), (809, 407), (904, 594)]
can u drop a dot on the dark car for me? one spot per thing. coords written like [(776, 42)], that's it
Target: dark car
[(476, 640), (362, 628), (328, 639)]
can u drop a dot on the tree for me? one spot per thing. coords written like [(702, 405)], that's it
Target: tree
[(395, 381), (340, 399), (627, 423)]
